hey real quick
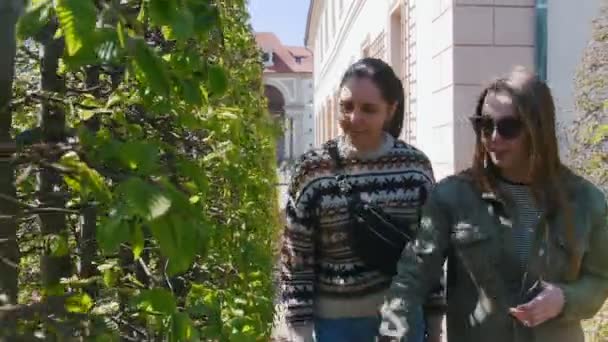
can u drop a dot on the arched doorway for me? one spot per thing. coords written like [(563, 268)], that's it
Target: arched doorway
[(276, 107)]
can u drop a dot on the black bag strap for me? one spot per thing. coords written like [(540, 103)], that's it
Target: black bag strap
[(332, 148), (345, 188)]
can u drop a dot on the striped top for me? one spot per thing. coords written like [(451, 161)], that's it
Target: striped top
[(527, 216), (320, 273)]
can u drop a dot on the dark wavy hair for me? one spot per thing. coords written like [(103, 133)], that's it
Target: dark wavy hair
[(391, 89)]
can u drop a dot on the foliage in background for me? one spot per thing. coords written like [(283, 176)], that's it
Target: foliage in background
[(168, 151), (589, 144), (589, 147)]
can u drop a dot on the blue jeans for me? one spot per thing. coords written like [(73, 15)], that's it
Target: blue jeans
[(363, 329)]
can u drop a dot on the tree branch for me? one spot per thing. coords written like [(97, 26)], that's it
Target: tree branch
[(50, 211), (47, 97), (83, 91), (120, 321), (52, 305), (32, 209)]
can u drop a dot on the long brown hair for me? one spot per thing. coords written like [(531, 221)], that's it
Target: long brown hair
[(534, 104)]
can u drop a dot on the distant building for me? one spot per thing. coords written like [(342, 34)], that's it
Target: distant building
[(288, 86), (444, 50)]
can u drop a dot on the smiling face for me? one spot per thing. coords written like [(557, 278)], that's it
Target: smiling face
[(503, 135), (364, 113)]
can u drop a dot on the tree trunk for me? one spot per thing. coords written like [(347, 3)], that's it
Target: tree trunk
[(87, 242), (52, 124), (88, 219), (9, 252)]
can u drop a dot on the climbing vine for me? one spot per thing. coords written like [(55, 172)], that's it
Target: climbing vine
[(153, 209)]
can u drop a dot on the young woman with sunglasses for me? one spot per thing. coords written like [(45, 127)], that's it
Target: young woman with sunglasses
[(525, 238), (331, 283)]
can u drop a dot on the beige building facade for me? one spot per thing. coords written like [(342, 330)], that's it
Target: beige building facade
[(444, 51)]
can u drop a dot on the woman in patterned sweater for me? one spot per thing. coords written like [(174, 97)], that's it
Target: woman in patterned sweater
[(325, 285)]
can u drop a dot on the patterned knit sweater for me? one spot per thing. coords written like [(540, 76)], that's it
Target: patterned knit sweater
[(320, 274)]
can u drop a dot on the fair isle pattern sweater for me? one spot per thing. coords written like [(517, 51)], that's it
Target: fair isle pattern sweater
[(318, 266)]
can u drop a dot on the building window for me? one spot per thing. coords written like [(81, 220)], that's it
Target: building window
[(268, 58)]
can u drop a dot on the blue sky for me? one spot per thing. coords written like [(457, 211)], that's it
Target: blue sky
[(286, 18)]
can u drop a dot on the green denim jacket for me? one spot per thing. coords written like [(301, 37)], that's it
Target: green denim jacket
[(472, 231)]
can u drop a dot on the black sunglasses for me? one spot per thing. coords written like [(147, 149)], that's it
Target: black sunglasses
[(508, 127)]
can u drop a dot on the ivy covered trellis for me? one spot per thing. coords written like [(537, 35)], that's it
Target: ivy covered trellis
[(137, 198)]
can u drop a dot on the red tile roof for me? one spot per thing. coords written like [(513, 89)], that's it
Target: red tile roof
[(287, 59)]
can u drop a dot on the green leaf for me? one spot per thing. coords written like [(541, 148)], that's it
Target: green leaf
[(218, 81), (34, 20), (191, 92), (77, 19), (79, 303), (140, 156), (144, 200), (167, 33), (162, 12), (111, 233), (115, 98), (600, 134), (183, 25), (193, 171), (58, 245), (86, 114), (190, 120), (90, 101), (150, 69), (136, 132), (122, 35), (182, 329), (227, 115), (159, 205), (206, 16), (110, 277), (156, 301), (179, 241), (137, 241), (83, 179), (107, 337)]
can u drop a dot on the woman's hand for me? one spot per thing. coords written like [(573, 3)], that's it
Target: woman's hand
[(547, 305)]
